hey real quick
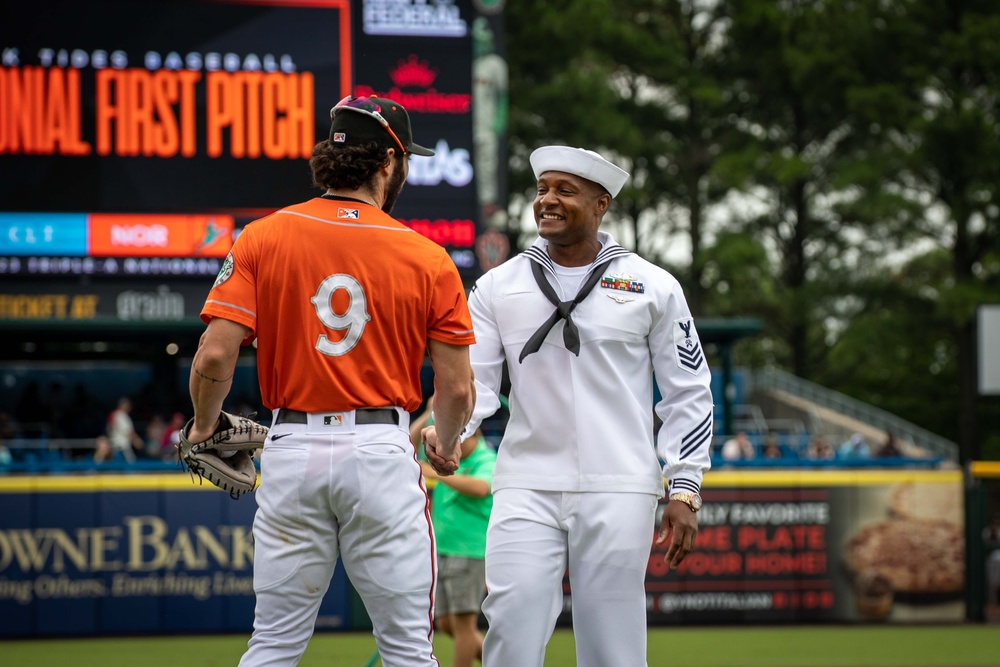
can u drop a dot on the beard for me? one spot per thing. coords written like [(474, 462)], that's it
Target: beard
[(394, 186)]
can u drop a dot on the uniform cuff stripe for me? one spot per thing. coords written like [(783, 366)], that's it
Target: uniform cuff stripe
[(682, 484)]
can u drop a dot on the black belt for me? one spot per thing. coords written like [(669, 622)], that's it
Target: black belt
[(361, 416)]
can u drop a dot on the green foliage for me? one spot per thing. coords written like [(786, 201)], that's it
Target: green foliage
[(808, 150)]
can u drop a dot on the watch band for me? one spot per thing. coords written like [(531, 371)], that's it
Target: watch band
[(689, 498)]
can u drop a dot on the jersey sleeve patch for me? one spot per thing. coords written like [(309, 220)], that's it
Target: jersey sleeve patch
[(689, 355), (226, 272)]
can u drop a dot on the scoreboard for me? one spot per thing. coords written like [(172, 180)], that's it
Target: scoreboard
[(158, 129), (137, 139)]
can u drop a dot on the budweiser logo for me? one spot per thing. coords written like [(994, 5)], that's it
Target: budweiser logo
[(413, 72)]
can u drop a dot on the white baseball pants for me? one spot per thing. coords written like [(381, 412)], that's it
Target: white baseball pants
[(332, 489), (604, 538)]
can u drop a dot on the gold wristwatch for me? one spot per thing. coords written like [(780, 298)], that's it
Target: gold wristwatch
[(692, 500)]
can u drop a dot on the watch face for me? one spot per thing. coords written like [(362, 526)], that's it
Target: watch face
[(695, 502)]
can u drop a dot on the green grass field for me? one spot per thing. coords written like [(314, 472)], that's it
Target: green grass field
[(765, 646)]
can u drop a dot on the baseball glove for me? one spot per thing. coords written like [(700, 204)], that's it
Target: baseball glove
[(226, 458)]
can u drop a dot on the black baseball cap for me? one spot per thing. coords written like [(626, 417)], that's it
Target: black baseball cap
[(360, 119)]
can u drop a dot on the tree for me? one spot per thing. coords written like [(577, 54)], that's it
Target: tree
[(827, 141), (957, 163), (896, 352), (949, 139), (809, 75), (639, 80)]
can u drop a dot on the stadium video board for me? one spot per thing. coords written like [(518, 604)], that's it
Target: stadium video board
[(165, 106), (141, 130)]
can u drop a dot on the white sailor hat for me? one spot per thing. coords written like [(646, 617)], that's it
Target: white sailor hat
[(580, 162)]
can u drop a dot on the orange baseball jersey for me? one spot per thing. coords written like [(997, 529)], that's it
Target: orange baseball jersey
[(342, 299)]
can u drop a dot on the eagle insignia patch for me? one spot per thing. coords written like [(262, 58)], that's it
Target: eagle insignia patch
[(689, 353)]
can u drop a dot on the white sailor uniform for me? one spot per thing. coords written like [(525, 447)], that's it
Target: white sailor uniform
[(577, 477)]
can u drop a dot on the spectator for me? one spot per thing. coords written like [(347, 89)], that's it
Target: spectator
[(991, 533), (171, 436), (854, 448), (155, 430), (103, 452), (820, 450), (125, 442), (739, 448), (890, 448), (771, 448)]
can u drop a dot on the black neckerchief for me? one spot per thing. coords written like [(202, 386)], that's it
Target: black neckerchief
[(571, 335)]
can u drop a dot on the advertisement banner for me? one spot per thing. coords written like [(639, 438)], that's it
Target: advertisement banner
[(43, 234), (816, 546), (166, 106), (420, 54), (152, 554), (115, 235), (103, 302), (130, 555), (159, 235)]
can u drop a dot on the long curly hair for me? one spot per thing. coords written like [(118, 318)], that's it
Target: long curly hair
[(346, 167)]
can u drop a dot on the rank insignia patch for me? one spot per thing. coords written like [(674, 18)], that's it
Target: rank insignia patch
[(348, 213), (623, 283), (689, 354)]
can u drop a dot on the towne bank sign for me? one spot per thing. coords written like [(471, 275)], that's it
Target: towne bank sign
[(119, 555)]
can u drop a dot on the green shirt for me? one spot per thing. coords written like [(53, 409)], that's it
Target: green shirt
[(460, 521)]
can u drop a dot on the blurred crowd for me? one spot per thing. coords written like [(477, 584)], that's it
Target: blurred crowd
[(50, 424), (744, 446)]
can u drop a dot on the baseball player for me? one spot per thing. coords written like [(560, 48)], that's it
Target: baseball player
[(343, 302), (583, 325)]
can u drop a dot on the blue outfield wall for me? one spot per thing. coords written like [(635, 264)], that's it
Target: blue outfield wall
[(130, 554), (147, 554)]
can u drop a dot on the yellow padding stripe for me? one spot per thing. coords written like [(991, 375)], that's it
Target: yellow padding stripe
[(799, 478), (714, 478), (984, 468), (78, 483)]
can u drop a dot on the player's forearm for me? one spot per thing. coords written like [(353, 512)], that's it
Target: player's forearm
[(454, 394), (208, 391), (452, 409), (211, 377)]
